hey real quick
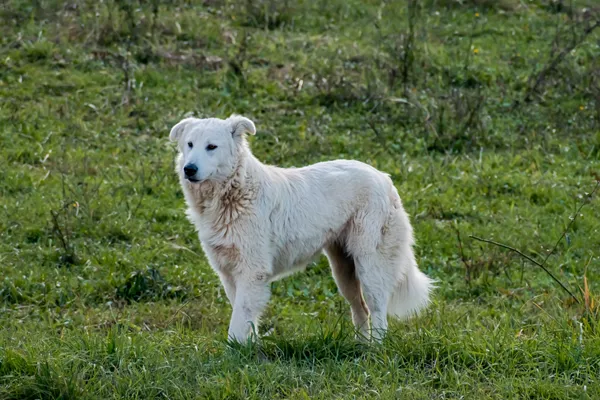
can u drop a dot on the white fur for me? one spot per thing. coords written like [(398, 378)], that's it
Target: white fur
[(258, 223)]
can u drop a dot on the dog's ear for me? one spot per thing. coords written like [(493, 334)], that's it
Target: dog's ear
[(241, 125), (180, 128)]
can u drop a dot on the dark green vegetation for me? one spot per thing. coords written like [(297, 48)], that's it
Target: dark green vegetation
[(485, 113)]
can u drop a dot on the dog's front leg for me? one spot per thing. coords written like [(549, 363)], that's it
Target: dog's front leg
[(229, 286), (252, 295)]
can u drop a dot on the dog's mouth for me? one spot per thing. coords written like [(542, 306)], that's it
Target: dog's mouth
[(193, 180)]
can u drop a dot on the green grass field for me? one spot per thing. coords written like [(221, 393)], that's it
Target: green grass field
[(485, 113)]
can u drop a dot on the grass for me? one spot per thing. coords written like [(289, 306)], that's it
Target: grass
[(104, 291)]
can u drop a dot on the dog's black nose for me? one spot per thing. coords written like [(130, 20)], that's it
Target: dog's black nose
[(190, 170)]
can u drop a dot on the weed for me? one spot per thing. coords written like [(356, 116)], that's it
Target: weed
[(147, 284), (267, 14)]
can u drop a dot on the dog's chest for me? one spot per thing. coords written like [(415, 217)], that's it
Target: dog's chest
[(222, 240), (223, 258)]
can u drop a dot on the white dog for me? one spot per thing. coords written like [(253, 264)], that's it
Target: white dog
[(258, 223)]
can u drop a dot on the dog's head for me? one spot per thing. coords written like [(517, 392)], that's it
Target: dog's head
[(209, 149)]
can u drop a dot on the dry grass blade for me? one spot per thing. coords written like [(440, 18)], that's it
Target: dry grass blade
[(587, 198), (519, 252), (583, 203)]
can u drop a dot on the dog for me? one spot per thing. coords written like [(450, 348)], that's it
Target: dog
[(258, 223)]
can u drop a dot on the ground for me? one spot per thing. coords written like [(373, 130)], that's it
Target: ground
[(485, 113)]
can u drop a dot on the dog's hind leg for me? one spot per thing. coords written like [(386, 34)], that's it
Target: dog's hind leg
[(344, 273), (374, 268), (377, 288)]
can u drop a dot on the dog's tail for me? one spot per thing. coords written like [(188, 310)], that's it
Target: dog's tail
[(411, 295)]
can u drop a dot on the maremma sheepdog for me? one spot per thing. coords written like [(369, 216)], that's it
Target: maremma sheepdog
[(258, 223)]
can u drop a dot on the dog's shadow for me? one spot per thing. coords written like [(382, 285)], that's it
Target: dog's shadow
[(302, 349)]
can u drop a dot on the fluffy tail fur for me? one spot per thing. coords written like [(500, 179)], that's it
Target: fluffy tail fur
[(411, 295)]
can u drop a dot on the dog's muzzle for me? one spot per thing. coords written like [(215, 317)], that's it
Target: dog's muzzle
[(190, 171)]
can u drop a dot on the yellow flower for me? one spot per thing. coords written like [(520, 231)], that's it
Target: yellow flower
[(581, 108), (477, 14), (476, 51)]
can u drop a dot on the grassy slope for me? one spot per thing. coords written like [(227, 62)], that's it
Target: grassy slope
[(104, 291)]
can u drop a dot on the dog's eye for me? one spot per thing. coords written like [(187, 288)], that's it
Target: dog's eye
[(190, 145), (211, 147)]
